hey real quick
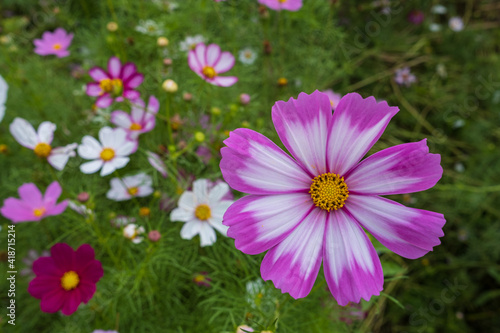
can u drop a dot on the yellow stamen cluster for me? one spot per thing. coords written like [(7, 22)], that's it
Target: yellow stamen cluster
[(135, 127), (199, 278), (209, 72), (133, 191), (42, 150), (57, 46), (70, 280), (112, 86), (329, 191), (39, 211), (282, 1), (203, 212), (144, 211), (107, 154)]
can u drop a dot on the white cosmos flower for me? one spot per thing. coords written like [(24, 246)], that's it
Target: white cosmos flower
[(248, 56), (190, 42), (202, 209), (39, 141), (456, 24), (128, 187), (132, 232), (149, 27), (4, 87), (110, 153)]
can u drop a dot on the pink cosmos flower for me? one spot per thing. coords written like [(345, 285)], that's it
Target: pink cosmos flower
[(404, 77), (312, 208), (333, 97), (39, 141), (33, 206), (65, 279), (208, 62), (116, 84), (157, 163), (291, 5), (110, 153), (140, 120), (56, 43)]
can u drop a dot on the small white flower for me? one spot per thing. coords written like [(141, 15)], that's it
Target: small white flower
[(434, 27), (109, 154), (202, 209), (80, 208), (438, 9), (4, 87), (456, 24), (403, 76), (39, 141), (122, 220), (248, 56), (132, 232), (129, 187), (190, 42), (157, 163), (149, 27)]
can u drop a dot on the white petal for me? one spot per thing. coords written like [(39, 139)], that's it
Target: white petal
[(90, 148), (46, 132), (91, 167), (217, 193), (187, 201), (207, 235), (179, 214), (200, 190), (24, 133), (191, 229)]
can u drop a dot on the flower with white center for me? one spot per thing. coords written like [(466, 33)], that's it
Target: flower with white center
[(248, 56), (149, 27), (109, 153), (40, 142), (4, 87), (190, 42), (208, 62), (157, 163), (456, 24), (141, 119), (202, 210), (132, 232), (129, 187)]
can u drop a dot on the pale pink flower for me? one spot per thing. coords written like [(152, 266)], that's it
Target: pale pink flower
[(208, 62), (109, 154), (55, 43), (333, 97), (314, 206), (291, 5), (404, 77), (39, 141), (140, 120), (32, 206), (157, 163), (129, 187)]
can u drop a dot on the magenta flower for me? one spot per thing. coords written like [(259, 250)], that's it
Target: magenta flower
[(208, 62), (291, 5), (33, 206), (416, 17), (312, 208), (140, 120), (55, 43), (65, 279), (116, 84)]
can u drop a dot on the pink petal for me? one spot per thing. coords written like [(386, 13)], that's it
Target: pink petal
[(114, 67), (409, 232), (292, 5), (128, 70), (18, 211), (200, 52), (134, 81), (93, 272), (252, 163), (293, 264), (52, 193), (64, 256), (121, 119), (403, 168), (42, 285), (212, 54), (131, 94), (104, 101), (57, 209), (93, 89), (53, 300), (87, 290), (72, 300), (153, 105), (223, 81), (257, 223), (351, 265), (224, 63), (302, 126), (193, 63), (356, 125), (62, 53), (30, 194), (98, 74), (47, 266), (84, 256)]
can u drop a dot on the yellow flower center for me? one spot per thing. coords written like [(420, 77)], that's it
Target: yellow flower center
[(209, 72), (133, 190), (135, 127), (329, 191), (203, 212), (70, 280), (144, 211), (282, 82), (282, 1), (199, 278), (57, 46), (107, 154), (42, 149), (39, 211), (112, 86)]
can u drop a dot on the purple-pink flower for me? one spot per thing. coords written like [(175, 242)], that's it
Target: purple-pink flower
[(140, 120), (291, 5), (312, 208), (404, 77), (115, 84), (65, 279), (55, 43), (32, 206), (208, 62)]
